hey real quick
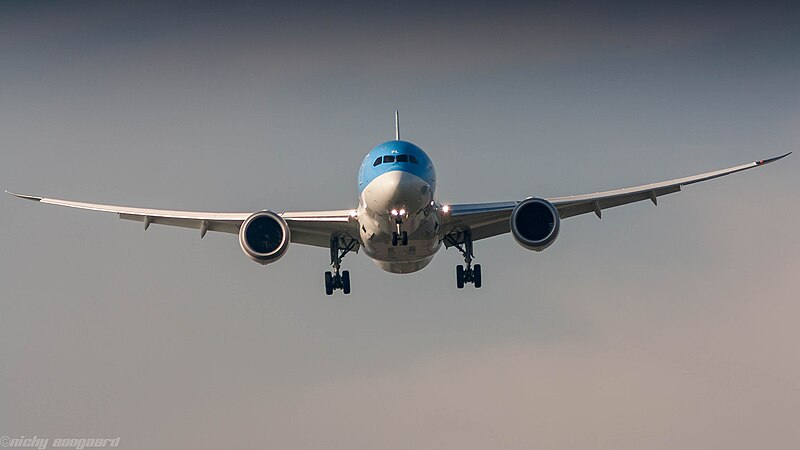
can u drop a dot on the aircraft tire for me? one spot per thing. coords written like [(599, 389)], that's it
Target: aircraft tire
[(328, 283), (346, 281)]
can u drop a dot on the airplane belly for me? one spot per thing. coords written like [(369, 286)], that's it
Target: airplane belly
[(403, 267), (423, 243)]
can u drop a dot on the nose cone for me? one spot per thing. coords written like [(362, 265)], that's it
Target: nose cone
[(397, 190)]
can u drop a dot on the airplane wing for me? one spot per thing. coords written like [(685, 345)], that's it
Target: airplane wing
[(485, 220), (311, 228)]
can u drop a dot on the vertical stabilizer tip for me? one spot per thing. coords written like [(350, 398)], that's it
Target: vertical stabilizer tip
[(396, 125)]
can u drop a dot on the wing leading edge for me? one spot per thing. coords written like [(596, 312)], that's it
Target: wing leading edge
[(311, 228), (491, 219)]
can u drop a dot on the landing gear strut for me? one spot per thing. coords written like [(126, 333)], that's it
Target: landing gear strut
[(339, 279), (470, 273)]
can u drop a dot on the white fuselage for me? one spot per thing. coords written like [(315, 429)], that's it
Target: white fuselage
[(412, 199)]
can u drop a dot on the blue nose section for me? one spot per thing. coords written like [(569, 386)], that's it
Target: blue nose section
[(394, 156)]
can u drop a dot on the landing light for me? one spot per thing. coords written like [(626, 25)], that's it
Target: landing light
[(394, 212), (402, 212), (445, 208)]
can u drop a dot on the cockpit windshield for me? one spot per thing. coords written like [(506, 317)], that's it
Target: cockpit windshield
[(387, 159)]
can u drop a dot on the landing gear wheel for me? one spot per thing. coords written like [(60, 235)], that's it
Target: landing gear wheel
[(394, 239), (404, 240), (469, 274), (328, 283), (460, 276), (340, 246), (346, 281)]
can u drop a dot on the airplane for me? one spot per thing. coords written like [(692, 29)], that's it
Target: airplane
[(399, 223)]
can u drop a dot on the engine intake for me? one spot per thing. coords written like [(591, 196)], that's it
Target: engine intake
[(535, 223), (264, 237)]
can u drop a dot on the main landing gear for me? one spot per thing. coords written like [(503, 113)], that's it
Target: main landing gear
[(470, 273), (339, 279), (399, 237)]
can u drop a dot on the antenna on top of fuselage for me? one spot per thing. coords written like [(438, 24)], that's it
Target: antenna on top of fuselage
[(396, 125)]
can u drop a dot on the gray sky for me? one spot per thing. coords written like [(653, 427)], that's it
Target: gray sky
[(668, 327)]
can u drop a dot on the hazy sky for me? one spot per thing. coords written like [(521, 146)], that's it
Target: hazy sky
[(659, 328)]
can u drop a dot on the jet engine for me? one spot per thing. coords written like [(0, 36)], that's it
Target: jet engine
[(264, 237), (535, 224)]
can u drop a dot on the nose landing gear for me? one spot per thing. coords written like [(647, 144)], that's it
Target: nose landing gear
[(339, 279), (469, 274), (399, 237)]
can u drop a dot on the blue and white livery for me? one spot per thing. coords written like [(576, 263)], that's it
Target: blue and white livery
[(399, 222)]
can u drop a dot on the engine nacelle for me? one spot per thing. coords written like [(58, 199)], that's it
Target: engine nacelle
[(535, 223), (264, 237)]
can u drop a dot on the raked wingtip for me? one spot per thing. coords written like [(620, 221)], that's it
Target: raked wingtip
[(26, 197), (769, 160)]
